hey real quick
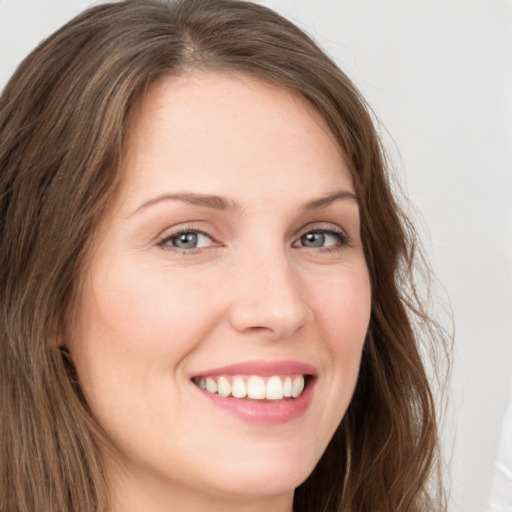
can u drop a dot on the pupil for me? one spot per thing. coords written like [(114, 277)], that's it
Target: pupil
[(186, 241), (313, 239)]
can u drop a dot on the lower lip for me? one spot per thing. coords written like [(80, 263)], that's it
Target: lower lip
[(263, 412)]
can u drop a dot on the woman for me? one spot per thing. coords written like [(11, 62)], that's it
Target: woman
[(207, 295)]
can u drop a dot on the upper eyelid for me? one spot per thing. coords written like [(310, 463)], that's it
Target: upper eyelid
[(321, 226)]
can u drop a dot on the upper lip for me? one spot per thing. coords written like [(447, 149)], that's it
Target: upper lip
[(261, 368)]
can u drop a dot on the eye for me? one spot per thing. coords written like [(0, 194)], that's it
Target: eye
[(322, 238), (189, 239)]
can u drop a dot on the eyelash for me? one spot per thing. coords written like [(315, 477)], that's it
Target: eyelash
[(342, 240), (165, 242), (341, 237)]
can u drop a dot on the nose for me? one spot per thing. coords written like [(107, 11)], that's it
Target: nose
[(271, 299)]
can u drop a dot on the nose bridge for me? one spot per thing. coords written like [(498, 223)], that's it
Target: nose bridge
[(269, 297)]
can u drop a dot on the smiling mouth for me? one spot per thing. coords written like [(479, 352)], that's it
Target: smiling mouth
[(255, 387)]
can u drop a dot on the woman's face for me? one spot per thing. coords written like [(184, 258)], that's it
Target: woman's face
[(231, 260)]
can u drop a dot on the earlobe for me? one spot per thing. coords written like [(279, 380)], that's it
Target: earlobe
[(56, 342), (62, 337)]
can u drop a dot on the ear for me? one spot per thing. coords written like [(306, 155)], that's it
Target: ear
[(59, 339)]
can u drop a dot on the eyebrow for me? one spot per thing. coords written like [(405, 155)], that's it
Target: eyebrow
[(215, 202), (206, 200), (323, 202)]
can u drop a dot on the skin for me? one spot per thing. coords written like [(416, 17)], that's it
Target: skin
[(151, 314)]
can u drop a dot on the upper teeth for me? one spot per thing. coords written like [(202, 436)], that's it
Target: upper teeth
[(255, 387)]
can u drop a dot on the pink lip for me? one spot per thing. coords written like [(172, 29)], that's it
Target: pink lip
[(259, 411), (262, 368)]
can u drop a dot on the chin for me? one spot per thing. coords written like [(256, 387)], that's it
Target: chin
[(279, 473)]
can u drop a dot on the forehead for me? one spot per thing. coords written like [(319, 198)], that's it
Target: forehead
[(206, 131)]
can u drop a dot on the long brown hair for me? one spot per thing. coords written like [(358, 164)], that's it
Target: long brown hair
[(63, 118)]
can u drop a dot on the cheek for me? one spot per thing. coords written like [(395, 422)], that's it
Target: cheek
[(133, 332), (343, 306), (343, 314), (145, 312)]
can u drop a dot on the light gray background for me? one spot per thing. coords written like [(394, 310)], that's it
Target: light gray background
[(438, 74)]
